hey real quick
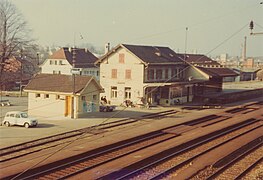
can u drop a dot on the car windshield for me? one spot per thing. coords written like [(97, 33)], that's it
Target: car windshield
[(24, 115)]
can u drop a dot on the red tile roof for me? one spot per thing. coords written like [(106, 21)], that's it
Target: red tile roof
[(58, 83), (84, 58)]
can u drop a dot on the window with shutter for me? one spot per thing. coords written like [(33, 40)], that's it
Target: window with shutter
[(128, 74), (121, 58), (114, 73)]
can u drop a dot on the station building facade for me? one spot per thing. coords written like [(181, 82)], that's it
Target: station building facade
[(152, 74)]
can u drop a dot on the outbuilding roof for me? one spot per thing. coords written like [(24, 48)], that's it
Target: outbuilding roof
[(84, 58), (59, 83), (199, 59), (218, 72)]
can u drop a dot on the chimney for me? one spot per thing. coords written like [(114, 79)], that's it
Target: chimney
[(107, 47)]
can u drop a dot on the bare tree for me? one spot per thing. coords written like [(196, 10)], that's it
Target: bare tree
[(13, 33)]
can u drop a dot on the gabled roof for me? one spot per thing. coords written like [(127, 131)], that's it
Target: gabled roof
[(154, 54), (218, 72), (59, 83), (84, 58), (149, 54), (199, 60)]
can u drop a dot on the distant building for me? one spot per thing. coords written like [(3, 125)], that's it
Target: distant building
[(247, 74), (52, 95), (223, 59), (61, 62), (248, 63), (16, 72)]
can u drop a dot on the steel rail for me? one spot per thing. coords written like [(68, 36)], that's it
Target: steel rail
[(248, 169), (174, 168), (101, 153), (70, 134), (198, 143), (234, 160)]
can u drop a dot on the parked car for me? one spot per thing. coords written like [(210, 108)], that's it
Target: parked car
[(19, 118)]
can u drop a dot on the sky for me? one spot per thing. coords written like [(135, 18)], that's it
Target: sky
[(210, 27)]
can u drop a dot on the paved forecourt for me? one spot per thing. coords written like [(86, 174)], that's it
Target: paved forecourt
[(50, 126)]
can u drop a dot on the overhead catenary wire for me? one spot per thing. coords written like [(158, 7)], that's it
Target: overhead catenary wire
[(194, 24), (161, 84), (66, 145)]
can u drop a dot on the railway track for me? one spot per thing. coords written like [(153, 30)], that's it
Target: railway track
[(239, 167), (23, 149), (237, 164), (167, 165), (105, 151), (71, 167), (74, 165)]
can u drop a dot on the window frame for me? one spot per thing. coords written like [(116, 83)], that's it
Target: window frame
[(150, 74), (159, 74), (121, 58), (128, 74), (127, 92), (114, 92), (114, 73)]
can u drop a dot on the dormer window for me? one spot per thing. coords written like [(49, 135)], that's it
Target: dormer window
[(158, 53), (121, 58)]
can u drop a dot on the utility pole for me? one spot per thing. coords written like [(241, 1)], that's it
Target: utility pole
[(245, 49), (21, 71), (74, 83), (185, 48), (37, 58)]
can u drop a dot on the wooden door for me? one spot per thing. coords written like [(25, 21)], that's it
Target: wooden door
[(67, 106)]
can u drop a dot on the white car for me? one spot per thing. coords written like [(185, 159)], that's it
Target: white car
[(19, 118)]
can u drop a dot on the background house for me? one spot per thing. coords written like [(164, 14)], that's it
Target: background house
[(247, 74), (16, 73), (152, 74), (51, 95), (61, 62)]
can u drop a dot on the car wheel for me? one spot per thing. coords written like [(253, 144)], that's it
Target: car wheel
[(26, 125), (7, 124)]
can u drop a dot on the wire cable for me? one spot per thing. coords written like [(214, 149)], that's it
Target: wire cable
[(66, 145)]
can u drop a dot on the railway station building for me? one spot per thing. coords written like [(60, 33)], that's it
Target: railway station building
[(155, 75)]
